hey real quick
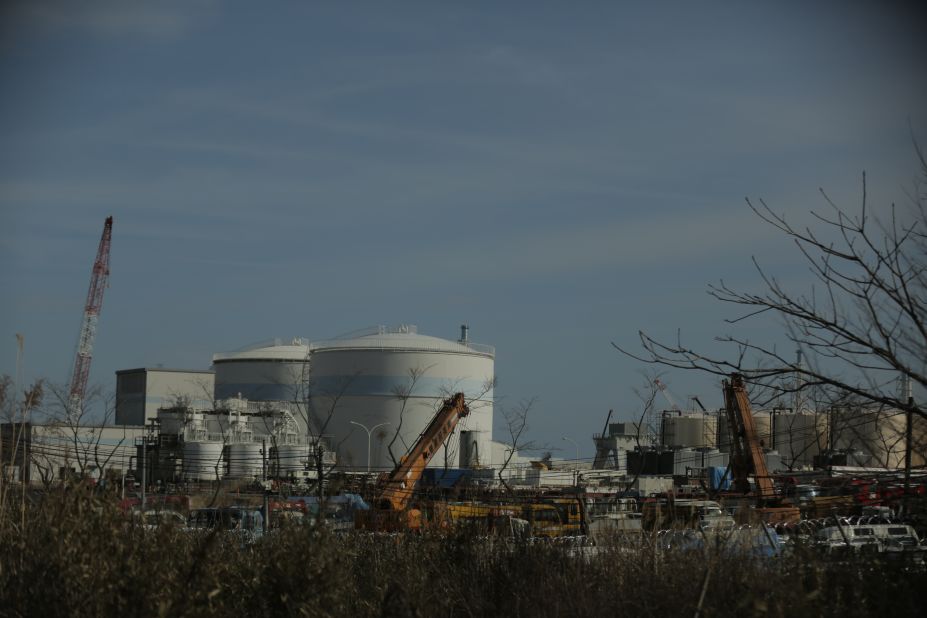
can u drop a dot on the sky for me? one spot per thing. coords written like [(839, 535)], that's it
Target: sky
[(559, 176)]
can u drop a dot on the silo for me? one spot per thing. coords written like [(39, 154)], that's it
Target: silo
[(385, 381), (274, 370)]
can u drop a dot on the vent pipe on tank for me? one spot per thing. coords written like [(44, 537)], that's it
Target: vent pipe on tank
[(906, 391), (464, 333), (799, 381)]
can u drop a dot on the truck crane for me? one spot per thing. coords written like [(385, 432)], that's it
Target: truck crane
[(747, 455), (392, 505)]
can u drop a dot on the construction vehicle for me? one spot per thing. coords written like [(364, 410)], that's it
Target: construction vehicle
[(747, 456), (393, 508), (667, 513), (543, 517)]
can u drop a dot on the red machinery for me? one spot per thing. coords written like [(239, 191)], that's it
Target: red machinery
[(99, 280)]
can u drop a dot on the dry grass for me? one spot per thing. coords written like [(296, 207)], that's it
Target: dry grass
[(77, 556)]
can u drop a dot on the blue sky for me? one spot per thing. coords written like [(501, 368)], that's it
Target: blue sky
[(557, 176)]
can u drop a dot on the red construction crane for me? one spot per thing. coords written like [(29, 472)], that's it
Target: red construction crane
[(99, 280)]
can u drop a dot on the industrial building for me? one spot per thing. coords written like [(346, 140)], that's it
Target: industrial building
[(141, 392), (51, 452), (362, 395), (236, 440)]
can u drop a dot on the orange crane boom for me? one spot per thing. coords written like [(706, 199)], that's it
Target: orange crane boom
[(398, 487), (747, 451)]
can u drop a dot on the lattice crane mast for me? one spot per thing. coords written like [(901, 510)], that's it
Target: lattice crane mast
[(99, 280), (666, 394)]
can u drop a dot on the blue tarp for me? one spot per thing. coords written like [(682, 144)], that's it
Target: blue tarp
[(717, 479), (444, 477)]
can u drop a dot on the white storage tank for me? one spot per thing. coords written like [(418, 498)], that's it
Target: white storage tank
[(394, 380), (202, 461), (245, 460), (762, 421), (879, 433), (274, 370), (799, 436), (693, 430)]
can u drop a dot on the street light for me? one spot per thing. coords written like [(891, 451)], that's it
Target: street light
[(369, 432), (574, 444), (576, 466)]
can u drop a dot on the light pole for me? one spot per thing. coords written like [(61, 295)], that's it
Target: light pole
[(369, 433), (576, 466)]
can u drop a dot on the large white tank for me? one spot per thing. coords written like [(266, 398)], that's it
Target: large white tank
[(385, 381), (273, 370), (691, 430), (202, 461), (880, 434), (245, 460), (762, 421), (799, 436)]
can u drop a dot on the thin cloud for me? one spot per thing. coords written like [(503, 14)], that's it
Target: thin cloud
[(116, 17)]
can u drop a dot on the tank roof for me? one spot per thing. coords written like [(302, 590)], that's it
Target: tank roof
[(296, 349), (405, 337)]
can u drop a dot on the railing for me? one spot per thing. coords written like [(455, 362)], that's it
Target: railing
[(377, 343)]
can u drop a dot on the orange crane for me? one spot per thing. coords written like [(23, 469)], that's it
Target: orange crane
[(747, 454), (99, 280), (392, 505)]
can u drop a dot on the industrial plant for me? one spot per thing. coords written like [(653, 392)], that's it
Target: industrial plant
[(396, 427)]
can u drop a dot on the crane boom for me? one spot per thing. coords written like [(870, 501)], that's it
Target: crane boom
[(99, 279), (666, 394), (745, 444), (397, 491)]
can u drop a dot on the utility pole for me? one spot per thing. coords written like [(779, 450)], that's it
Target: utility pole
[(144, 443), (907, 393)]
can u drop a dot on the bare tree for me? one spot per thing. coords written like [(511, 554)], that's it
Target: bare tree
[(403, 392), (15, 447), (862, 326), (478, 400), (320, 409), (647, 396), (516, 424), (81, 428)]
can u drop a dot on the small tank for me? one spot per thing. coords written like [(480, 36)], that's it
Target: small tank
[(202, 461), (245, 460)]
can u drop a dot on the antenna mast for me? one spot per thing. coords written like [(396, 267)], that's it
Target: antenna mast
[(99, 280)]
